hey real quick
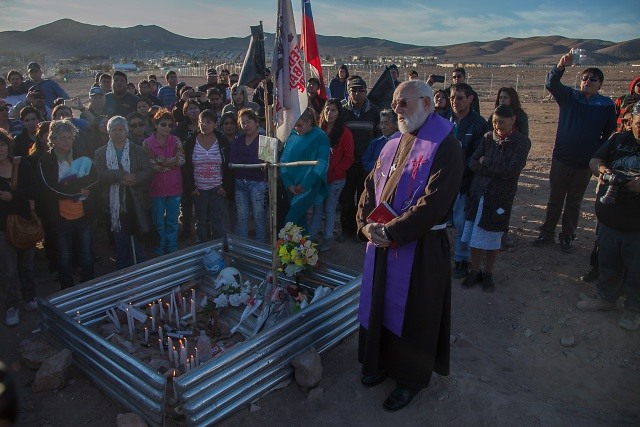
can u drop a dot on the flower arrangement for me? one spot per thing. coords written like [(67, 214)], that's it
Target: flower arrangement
[(295, 251), (230, 291)]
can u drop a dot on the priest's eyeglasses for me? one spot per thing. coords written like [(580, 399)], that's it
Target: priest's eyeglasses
[(402, 103)]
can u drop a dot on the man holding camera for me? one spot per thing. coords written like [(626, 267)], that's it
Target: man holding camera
[(585, 121), (617, 164)]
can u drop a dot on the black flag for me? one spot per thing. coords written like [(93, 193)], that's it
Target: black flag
[(381, 93), (253, 68)]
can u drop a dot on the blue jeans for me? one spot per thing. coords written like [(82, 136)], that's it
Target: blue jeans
[(619, 251), (250, 197), (209, 211), (16, 264), (122, 240), (328, 207), (461, 250), (80, 232), (165, 211)]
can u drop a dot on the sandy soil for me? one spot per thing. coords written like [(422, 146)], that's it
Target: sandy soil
[(507, 364)]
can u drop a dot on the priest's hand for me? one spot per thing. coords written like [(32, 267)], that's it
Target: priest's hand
[(373, 233)]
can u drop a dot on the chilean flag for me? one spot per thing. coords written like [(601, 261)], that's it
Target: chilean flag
[(309, 44)]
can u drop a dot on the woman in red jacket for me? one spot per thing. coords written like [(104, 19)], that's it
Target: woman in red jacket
[(340, 159)]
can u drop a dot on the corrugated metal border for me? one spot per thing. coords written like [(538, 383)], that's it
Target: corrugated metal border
[(218, 388)]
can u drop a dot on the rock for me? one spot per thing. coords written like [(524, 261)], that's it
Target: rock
[(547, 328), (567, 341), (592, 335), (254, 407), (130, 420), (107, 329), (562, 320), (33, 353), (160, 365), (124, 344), (308, 368), (527, 332), (485, 379), (513, 351), (315, 393), (53, 372)]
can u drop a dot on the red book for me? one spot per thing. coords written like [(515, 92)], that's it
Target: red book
[(383, 213)]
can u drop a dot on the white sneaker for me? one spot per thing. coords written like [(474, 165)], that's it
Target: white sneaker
[(31, 305), (13, 316)]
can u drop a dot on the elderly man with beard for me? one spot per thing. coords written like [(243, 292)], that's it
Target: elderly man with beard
[(405, 301)]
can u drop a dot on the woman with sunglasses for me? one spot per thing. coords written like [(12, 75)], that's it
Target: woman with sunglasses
[(166, 156), (137, 128)]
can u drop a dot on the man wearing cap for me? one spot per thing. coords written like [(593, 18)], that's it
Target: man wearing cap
[(120, 102), (212, 81), (35, 98), (405, 298), (96, 106), (362, 118), (50, 88), (619, 228), (586, 119)]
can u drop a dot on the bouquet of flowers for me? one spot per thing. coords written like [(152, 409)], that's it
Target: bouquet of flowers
[(295, 251)]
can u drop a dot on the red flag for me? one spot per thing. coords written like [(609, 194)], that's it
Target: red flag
[(309, 44)]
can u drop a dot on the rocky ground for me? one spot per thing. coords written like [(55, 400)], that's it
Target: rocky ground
[(522, 355)]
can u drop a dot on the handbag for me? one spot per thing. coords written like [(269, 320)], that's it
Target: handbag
[(21, 232)]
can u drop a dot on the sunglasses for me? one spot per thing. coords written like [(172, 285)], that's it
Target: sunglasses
[(402, 103), (136, 125), (592, 78), (165, 124)]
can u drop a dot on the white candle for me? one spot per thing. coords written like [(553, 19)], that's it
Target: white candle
[(183, 355), (130, 323), (193, 310), (184, 305), (177, 318), (197, 357), (169, 346), (161, 346), (160, 334), (153, 323), (193, 295), (78, 317), (153, 309), (175, 394), (186, 345), (146, 335), (192, 362), (161, 308), (176, 362), (169, 311)]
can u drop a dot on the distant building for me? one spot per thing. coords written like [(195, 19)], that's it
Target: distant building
[(125, 67)]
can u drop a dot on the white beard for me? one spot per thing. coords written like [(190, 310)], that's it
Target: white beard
[(413, 121)]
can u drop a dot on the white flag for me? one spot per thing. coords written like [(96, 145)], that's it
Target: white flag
[(290, 90)]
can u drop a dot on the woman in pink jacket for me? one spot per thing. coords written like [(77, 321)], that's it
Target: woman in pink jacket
[(166, 157)]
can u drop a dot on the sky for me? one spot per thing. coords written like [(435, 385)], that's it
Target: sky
[(423, 23)]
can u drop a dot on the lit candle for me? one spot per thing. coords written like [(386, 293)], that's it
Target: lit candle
[(160, 308), (130, 322), (175, 394), (184, 305), (193, 295), (153, 323), (160, 334), (161, 346), (78, 317), (186, 345), (183, 355), (146, 335), (192, 362), (169, 311), (193, 310), (153, 309), (197, 357)]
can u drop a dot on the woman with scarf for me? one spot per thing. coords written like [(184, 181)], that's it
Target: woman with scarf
[(305, 185), (69, 179), (125, 172), (496, 163), (167, 157)]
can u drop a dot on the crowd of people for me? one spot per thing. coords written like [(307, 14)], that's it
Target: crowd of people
[(153, 159)]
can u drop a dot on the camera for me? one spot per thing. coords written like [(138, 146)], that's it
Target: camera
[(438, 79), (615, 180)]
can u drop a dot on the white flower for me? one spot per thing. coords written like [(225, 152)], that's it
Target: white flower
[(235, 300), (221, 301), (313, 259)]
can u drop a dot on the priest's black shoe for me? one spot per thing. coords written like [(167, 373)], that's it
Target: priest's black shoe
[(400, 398), (371, 380)]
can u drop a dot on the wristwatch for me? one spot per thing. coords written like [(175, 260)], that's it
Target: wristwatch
[(383, 231)]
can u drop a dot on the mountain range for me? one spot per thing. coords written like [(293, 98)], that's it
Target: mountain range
[(66, 38)]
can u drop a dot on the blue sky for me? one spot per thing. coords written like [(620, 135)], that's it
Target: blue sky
[(425, 23)]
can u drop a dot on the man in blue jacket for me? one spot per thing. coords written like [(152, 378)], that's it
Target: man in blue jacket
[(585, 122), (50, 88)]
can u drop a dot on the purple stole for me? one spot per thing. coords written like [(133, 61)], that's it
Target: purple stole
[(411, 185)]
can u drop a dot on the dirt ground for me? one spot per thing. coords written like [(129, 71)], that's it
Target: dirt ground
[(507, 364)]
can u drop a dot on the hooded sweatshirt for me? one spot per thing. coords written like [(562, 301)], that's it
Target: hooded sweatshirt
[(234, 108)]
